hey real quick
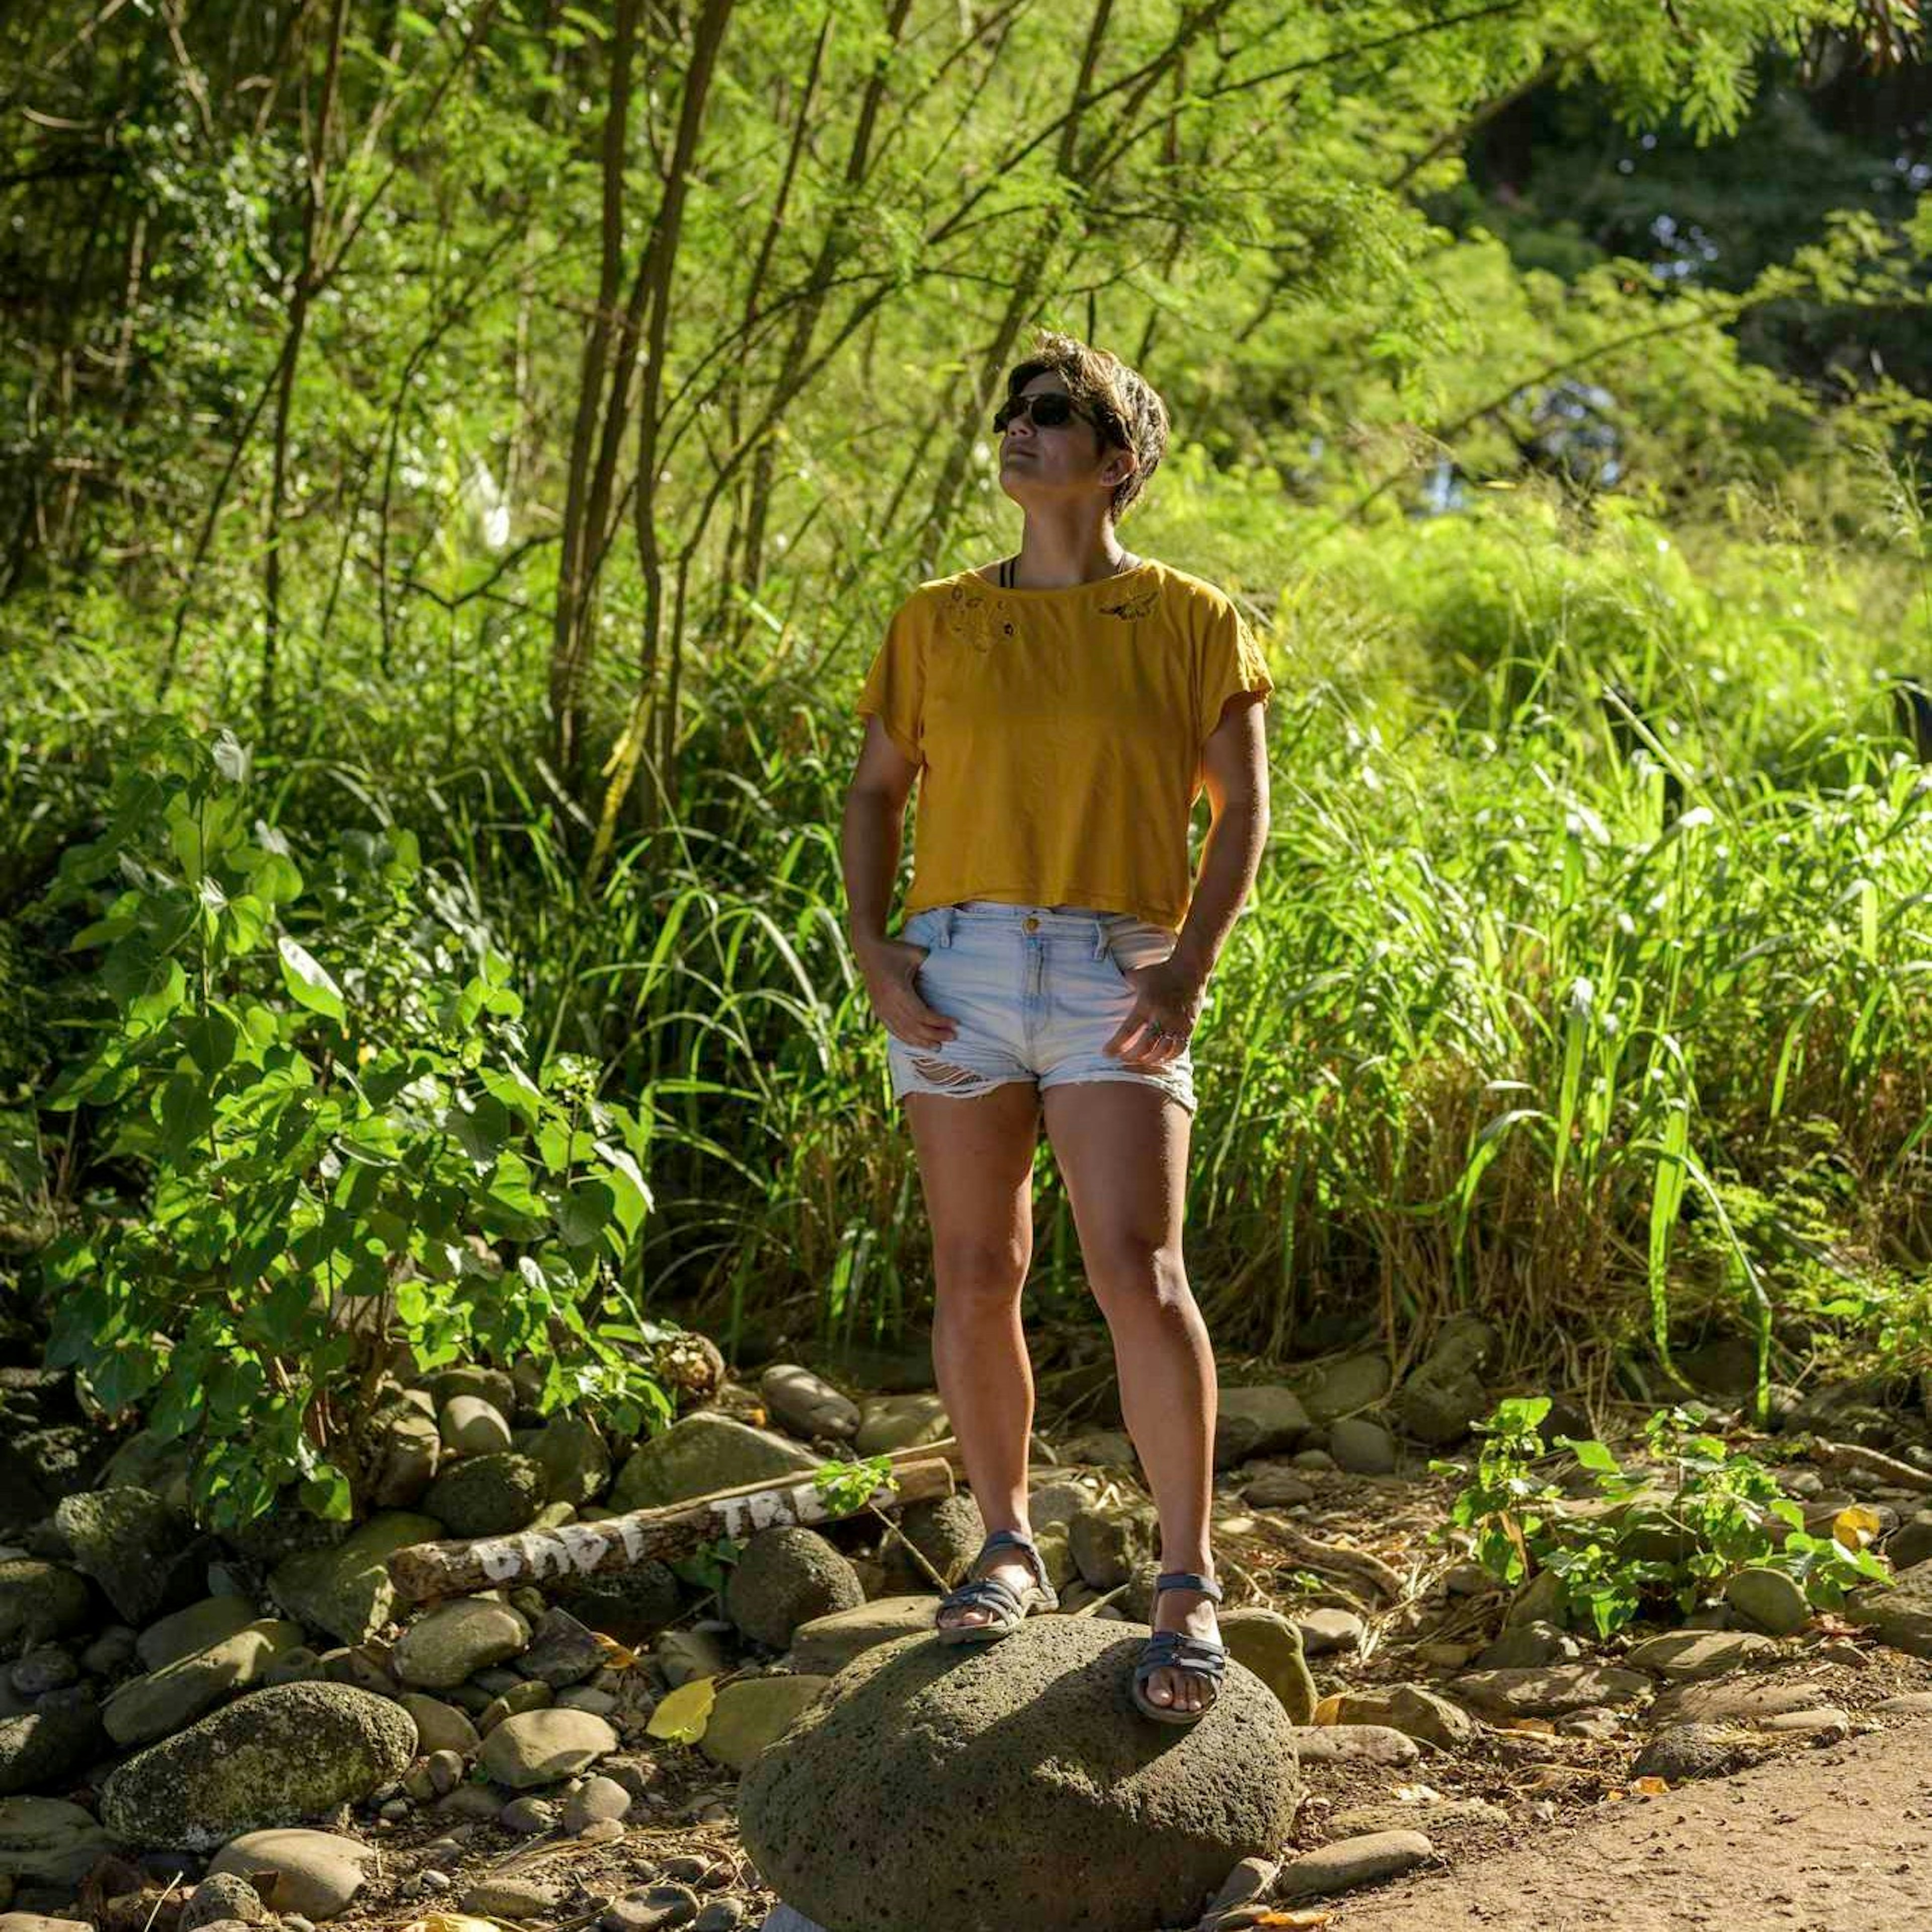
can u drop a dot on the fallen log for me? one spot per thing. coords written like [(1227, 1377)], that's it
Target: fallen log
[(1854, 1458), (457, 1567)]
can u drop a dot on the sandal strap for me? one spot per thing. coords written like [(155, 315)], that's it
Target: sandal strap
[(1004, 1539), (1188, 1580), (1176, 1650), (991, 1593)]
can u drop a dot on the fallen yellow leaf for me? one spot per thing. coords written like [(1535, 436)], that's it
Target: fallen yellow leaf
[(1301, 1920), (1651, 1787), (453, 1921), (1855, 1527), (1328, 1710), (682, 1715), (1542, 1727)]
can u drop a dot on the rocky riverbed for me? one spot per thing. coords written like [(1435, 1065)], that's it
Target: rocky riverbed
[(197, 1731)]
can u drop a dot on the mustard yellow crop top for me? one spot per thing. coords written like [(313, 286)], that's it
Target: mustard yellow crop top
[(1059, 733)]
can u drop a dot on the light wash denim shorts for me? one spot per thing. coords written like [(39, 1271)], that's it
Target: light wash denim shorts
[(1036, 992)]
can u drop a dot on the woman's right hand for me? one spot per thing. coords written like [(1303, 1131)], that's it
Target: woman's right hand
[(891, 967)]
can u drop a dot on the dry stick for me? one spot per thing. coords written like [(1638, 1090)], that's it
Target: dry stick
[(1333, 1556), (1848, 1456), (457, 1567)]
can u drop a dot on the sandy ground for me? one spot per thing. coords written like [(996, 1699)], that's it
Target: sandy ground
[(1838, 1840)]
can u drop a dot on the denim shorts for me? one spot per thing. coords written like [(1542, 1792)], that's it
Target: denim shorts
[(1035, 992)]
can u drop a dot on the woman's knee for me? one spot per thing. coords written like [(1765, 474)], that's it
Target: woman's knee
[(1134, 1277), (971, 1271)]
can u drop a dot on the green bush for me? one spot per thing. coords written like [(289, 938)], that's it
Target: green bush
[(1669, 1536), (340, 1145)]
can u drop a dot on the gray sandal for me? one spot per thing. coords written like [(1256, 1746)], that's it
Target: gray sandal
[(1009, 1607), (1176, 1650)]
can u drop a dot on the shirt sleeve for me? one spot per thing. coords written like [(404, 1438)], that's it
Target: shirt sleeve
[(1232, 662), (895, 687)]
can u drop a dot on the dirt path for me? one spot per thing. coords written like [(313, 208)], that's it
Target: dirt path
[(1833, 1840)]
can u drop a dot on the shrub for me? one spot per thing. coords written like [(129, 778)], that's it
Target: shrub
[(341, 1146)]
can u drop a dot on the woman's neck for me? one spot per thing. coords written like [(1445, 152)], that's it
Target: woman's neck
[(1053, 556)]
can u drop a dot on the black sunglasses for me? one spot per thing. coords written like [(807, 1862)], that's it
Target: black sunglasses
[(1051, 410)]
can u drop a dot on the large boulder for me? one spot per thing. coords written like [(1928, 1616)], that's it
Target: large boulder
[(277, 1756), (704, 1452), (345, 1589), (934, 1785)]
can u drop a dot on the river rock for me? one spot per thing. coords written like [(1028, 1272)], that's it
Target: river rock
[(1270, 1645), (1548, 1690), (456, 1639), (440, 1727), (784, 1577), (210, 1620), (750, 1712), (1359, 1382), (946, 1531), (1030, 1746), (1362, 1446), (471, 1426), (345, 1589), (315, 1873), (538, 1747), (1355, 1744), (1686, 1751), (1109, 1543), (630, 1605), (703, 1452), (288, 1751), (1911, 1543), (171, 1698), (822, 1646), (497, 1386), (142, 1553), (1525, 1646), (39, 1601), (562, 1651), (1901, 1615), (403, 1448), (48, 1841), (576, 1463), (1411, 1709), (1349, 1862), (494, 1495), (890, 1422), (1278, 1487), (807, 1404), (42, 1749), (1719, 1703), (1685, 1656), (1444, 1394), (1324, 1631), (684, 1654), (1256, 1421), (1768, 1600), (223, 1898)]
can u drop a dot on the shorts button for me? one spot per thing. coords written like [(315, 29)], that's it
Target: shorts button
[(1032, 924)]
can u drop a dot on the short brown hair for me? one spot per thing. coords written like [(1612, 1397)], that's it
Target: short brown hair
[(1131, 415)]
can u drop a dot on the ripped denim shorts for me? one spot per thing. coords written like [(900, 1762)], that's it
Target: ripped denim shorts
[(1035, 992)]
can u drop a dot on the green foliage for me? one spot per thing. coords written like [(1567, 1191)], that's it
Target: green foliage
[(848, 1487), (339, 1139), (1669, 1533)]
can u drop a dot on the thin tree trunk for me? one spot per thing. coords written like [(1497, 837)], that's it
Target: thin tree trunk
[(575, 583), (656, 275), (314, 209)]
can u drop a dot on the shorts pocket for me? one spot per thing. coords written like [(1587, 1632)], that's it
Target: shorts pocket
[(1137, 943)]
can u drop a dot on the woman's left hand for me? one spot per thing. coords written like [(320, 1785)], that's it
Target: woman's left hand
[(1166, 995)]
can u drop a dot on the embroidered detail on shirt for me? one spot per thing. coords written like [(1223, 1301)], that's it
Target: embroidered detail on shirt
[(969, 616), (1137, 605)]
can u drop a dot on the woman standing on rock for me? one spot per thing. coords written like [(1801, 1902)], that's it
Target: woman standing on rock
[(1066, 707)]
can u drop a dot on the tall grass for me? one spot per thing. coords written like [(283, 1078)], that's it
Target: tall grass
[(1584, 983)]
